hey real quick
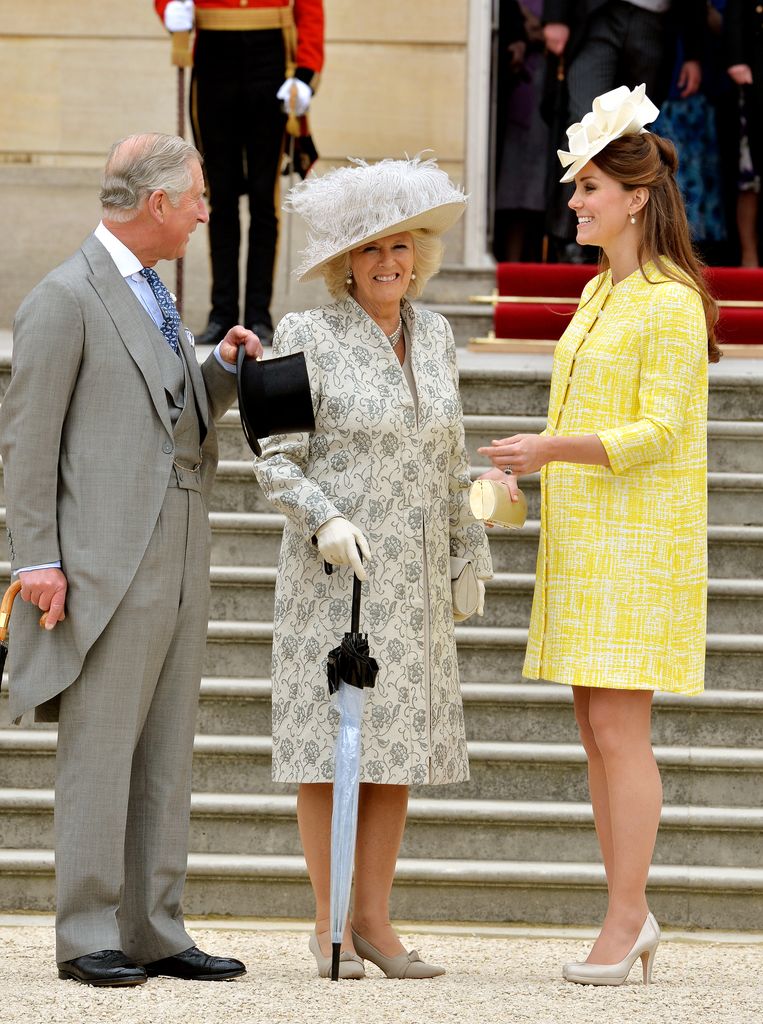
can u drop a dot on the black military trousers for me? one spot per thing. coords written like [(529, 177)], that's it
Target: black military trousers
[(238, 126)]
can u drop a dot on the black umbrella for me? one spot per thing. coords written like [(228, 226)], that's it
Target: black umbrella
[(351, 670), (5, 616)]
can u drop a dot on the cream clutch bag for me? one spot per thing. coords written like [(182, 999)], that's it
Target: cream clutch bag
[(490, 503), (464, 588)]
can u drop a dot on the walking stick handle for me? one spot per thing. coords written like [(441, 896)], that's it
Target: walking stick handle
[(5, 607), (181, 50)]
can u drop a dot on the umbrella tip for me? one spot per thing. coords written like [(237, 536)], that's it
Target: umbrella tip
[(336, 949)]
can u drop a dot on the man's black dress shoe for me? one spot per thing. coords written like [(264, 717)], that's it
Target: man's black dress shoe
[(213, 333), (263, 332), (106, 967), (194, 965)]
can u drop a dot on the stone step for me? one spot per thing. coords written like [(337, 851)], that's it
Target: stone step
[(479, 830), (241, 593), (733, 447), (518, 385), (702, 776), (517, 712), (485, 654), (467, 320), (254, 539), (455, 283), (681, 896), (734, 498)]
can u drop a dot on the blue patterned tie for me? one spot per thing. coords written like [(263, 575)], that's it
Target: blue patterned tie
[(171, 322)]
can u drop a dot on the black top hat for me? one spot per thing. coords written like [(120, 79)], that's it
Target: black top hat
[(273, 396)]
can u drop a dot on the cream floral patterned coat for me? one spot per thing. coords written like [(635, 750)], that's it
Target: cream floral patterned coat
[(621, 581), (404, 484)]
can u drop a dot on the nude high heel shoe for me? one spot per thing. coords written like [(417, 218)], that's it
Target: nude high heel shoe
[(407, 965), (350, 965), (645, 947)]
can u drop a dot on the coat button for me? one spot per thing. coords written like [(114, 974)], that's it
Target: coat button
[(167, 448)]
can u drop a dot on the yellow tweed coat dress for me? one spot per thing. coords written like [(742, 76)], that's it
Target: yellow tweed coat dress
[(621, 582)]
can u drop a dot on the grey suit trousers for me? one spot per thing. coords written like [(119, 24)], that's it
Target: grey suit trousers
[(125, 744)]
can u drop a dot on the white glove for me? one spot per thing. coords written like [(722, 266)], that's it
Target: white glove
[(481, 598), (178, 16), (338, 542), (301, 100)]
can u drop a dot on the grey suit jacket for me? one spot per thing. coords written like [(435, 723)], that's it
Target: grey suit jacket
[(87, 448)]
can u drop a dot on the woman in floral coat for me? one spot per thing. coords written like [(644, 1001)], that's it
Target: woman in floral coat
[(385, 472), (621, 581)]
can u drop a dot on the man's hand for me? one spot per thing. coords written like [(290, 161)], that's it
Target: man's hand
[(240, 336), (302, 96), (45, 588), (338, 542), (690, 78), (741, 73), (178, 16), (556, 34)]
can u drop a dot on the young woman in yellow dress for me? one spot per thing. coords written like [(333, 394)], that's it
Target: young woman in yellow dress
[(620, 593)]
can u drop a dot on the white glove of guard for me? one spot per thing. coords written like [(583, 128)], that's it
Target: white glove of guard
[(301, 100), (481, 598), (178, 16), (338, 542)]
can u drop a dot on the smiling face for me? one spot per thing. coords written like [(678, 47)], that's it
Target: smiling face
[(180, 221), (381, 270), (603, 207)]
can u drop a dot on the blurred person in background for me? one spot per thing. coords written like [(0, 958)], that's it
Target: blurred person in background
[(744, 61), (250, 57)]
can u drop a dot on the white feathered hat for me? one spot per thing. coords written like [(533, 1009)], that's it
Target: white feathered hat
[(352, 205)]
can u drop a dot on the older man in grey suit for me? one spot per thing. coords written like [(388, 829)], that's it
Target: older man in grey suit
[(108, 438)]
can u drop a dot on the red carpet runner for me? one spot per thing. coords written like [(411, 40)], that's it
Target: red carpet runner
[(542, 298)]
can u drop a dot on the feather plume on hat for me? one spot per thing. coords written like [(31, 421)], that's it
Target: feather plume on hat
[(352, 205)]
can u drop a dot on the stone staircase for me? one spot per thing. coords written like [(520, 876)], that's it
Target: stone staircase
[(515, 843)]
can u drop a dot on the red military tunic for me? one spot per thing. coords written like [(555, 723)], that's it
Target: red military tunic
[(308, 19)]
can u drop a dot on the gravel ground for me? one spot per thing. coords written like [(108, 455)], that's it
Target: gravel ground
[(512, 978)]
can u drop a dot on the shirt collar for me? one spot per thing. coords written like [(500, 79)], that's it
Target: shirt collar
[(127, 263)]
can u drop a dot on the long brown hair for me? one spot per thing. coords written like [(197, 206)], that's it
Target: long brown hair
[(649, 161)]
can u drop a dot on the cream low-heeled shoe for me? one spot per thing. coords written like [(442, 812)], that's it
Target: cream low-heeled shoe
[(406, 965), (350, 965), (645, 947)]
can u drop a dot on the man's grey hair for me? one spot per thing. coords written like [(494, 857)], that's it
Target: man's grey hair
[(139, 165)]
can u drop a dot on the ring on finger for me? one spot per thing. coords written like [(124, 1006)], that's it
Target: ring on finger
[(508, 471)]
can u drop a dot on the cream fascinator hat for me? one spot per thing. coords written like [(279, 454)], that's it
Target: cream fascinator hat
[(352, 205), (619, 112)]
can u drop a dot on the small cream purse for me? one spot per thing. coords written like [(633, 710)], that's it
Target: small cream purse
[(490, 503), (464, 588)]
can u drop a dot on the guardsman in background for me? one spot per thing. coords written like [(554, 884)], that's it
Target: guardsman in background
[(250, 58)]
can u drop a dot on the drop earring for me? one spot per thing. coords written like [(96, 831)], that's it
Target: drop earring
[(413, 276), (348, 279), (633, 219)]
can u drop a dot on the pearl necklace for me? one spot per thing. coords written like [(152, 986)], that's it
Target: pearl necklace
[(395, 336)]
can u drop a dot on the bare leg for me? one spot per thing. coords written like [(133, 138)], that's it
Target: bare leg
[(381, 822), (620, 721), (597, 779), (747, 220), (314, 804)]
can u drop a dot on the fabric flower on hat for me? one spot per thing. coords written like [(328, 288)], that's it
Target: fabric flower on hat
[(621, 111)]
